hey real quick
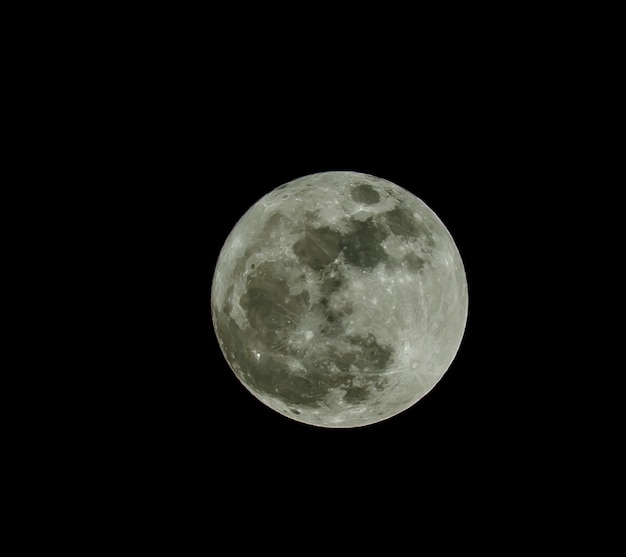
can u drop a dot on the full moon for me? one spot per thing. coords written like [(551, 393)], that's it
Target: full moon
[(339, 299)]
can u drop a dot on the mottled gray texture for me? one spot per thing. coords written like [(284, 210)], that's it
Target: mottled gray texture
[(339, 299)]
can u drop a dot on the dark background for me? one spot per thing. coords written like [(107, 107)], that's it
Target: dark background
[(154, 134), (188, 148), (462, 163)]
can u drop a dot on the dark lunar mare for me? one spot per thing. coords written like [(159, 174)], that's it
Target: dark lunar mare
[(356, 364), (317, 247), (361, 246), (400, 221)]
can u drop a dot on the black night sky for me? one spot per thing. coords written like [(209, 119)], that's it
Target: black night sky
[(199, 164), (454, 165)]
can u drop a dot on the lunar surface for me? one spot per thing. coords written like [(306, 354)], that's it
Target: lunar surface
[(339, 299)]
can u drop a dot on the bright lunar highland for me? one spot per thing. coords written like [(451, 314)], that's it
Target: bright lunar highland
[(339, 299)]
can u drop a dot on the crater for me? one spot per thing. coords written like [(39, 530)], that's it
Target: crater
[(364, 193)]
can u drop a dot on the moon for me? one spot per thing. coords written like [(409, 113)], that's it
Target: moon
[(339, 299)]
